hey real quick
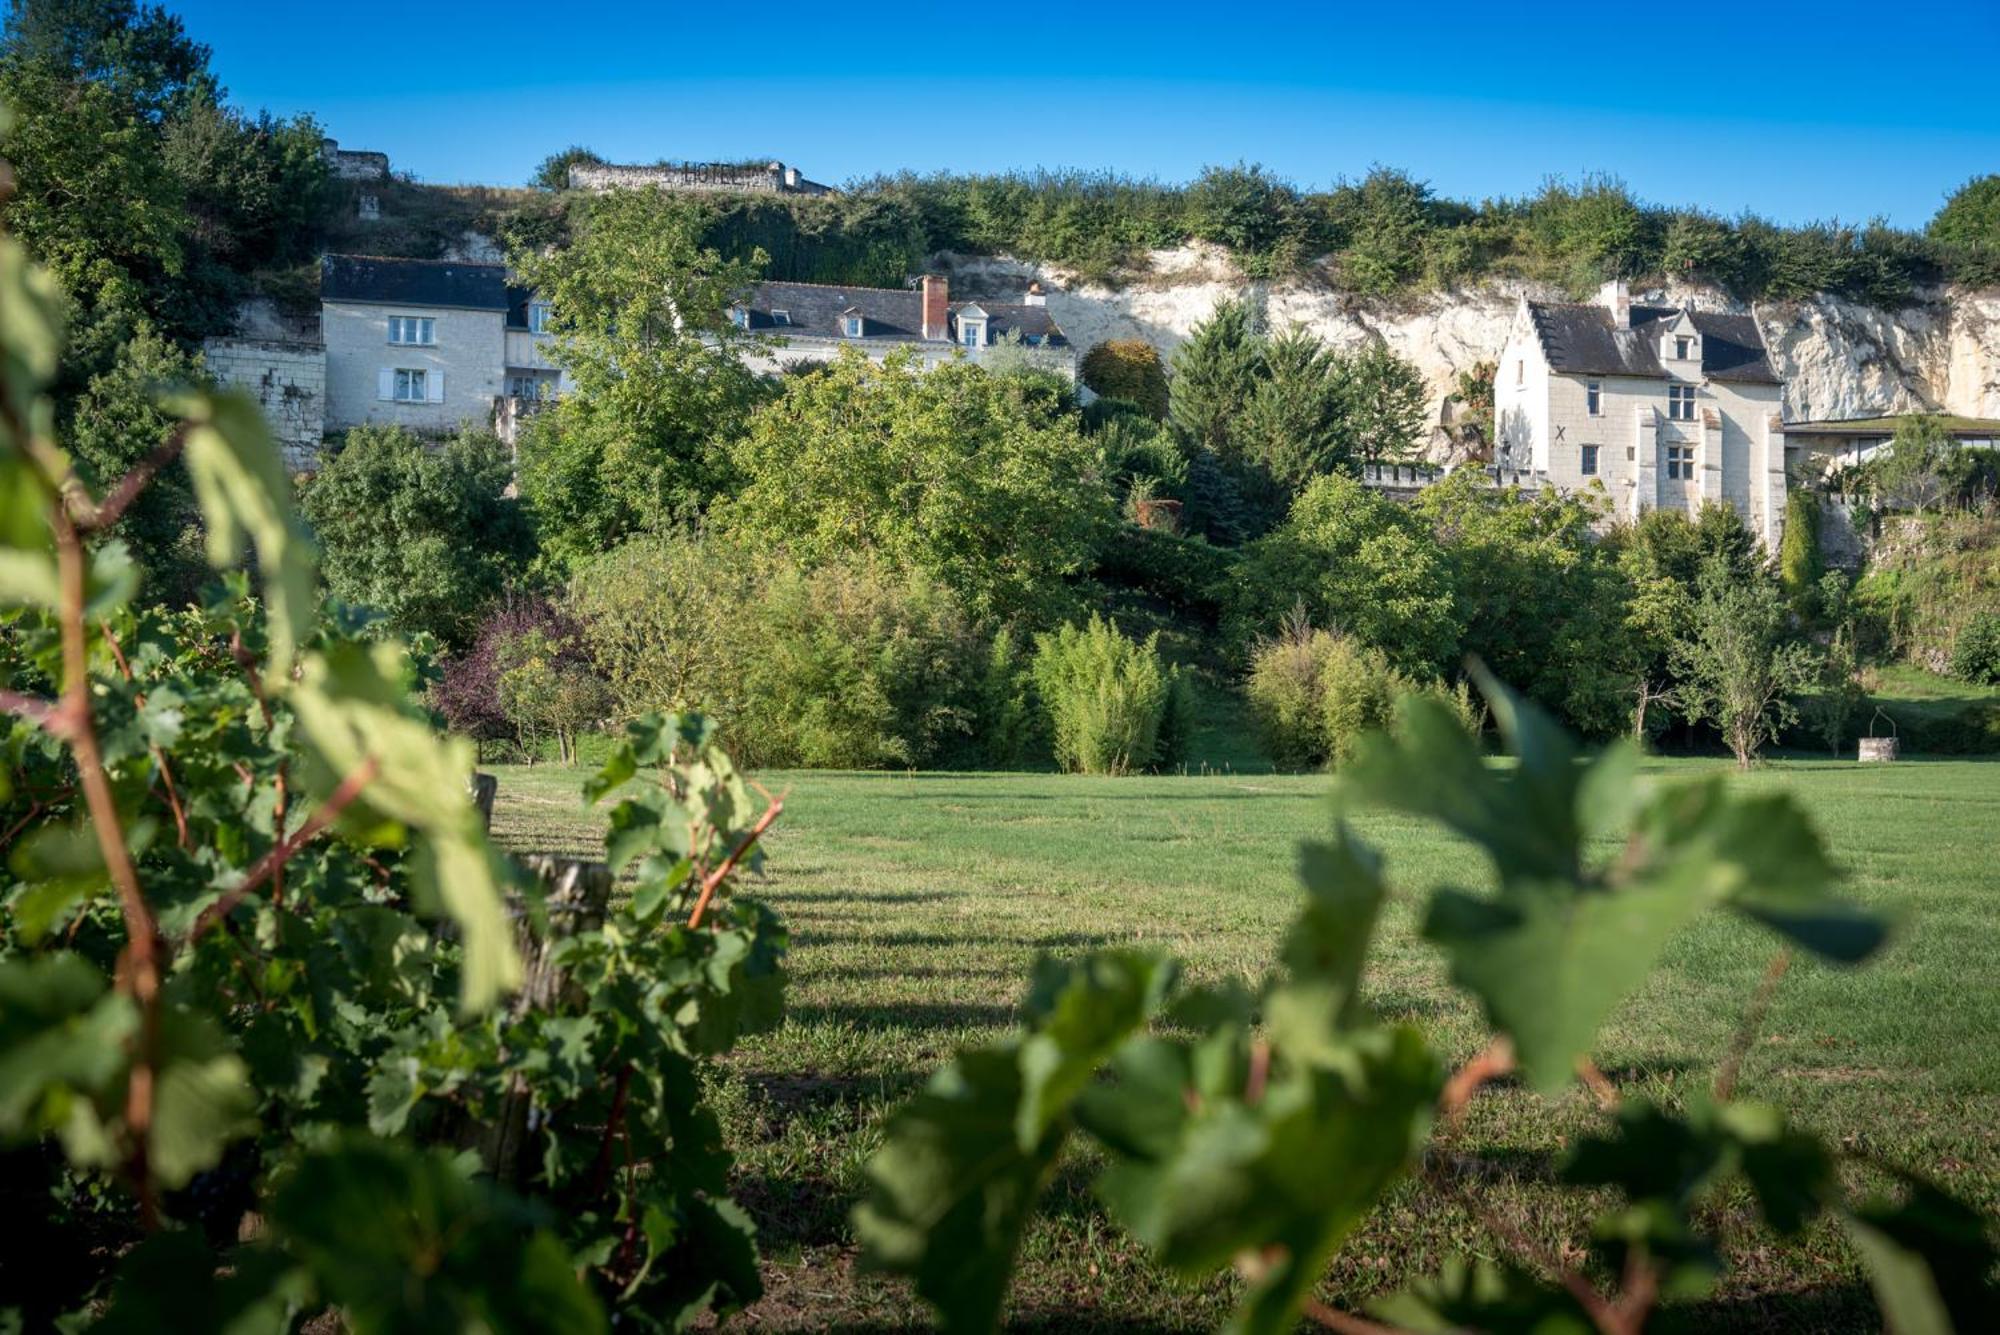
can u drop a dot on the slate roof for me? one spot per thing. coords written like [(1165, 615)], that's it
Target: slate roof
[(381, 281), (1580, 340), (891, 314)]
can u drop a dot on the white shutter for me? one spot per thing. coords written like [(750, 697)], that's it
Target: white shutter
[(434, 383), (385, 384)]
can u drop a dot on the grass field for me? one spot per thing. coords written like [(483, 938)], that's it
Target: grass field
[(918, 902)]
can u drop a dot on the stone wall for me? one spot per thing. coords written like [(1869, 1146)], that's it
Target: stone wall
[(775, 179), (288, 381)]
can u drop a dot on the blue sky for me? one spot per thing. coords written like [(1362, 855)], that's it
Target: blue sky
[(1792, 111)]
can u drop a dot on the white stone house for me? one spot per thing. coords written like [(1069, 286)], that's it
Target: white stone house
[(429, 344), (1667, 408), (812, 322)]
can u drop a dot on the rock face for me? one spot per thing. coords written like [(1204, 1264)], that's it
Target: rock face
[(1840, 359)]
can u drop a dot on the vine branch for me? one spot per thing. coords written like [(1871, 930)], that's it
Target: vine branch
[(270, 864), (714, 879)]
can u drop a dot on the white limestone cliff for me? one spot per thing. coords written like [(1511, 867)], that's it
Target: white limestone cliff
[(1841, 359)]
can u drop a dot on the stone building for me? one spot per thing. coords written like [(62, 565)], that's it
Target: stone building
[(812, 322), (429, 344), (353, 164), (773, 178), (1666, 408)]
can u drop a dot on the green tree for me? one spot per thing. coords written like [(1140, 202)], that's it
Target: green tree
[(1385, 221), (1350, 561), (423, 532), (1968, 227), (1538, 598), (548, 693), (989, 490), (1215, 375), (1253, 214), (553, 173), (1737, 662), (1383, 402), (1923, 466), (1296, 425), (117, 422), (639, 310)]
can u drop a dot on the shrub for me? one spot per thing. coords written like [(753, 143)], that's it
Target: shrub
[(659, 616), (468, 692), (423, 532), (852, 667), (1106, 697), (1129, 369), (549, 693), (1800, 565), (1975, 656), (1286, 696)]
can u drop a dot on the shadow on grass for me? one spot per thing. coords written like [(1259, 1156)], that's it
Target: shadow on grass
[(941, 941), (905, 1015), (1845, 1307)]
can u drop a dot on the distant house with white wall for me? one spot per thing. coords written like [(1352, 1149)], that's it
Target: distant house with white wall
[(429, 344), (754, 178), (812, 322), (1667, 408)]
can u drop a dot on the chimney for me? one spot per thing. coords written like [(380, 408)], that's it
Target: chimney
[(937, 307), (1616, 297), (1035, 296), (791, 178)]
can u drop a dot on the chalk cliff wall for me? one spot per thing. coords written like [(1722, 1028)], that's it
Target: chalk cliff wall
[(1840, 359)]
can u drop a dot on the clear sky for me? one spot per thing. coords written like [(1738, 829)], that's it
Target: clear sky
[(1792, 111)]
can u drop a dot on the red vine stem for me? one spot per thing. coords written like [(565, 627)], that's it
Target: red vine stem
[(714, 879), (1753, 1019), (1493, 1061), (159, 756), (269, 865)]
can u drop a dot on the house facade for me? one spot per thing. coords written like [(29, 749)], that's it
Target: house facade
[(428, 344), (1666, 408), (812, 322)]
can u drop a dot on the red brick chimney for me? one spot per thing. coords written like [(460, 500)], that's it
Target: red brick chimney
[(937, 307)]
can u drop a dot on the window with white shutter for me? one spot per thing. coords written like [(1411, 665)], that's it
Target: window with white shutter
[(385, 383), (435, 383)]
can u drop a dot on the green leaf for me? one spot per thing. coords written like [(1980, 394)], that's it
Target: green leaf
[(202, 1097), (1078, 1013), (1286, 1178), (1483, 1296), (1928, 1259), (439, 1250), (30, 327), (63, 1041), (351, 705), (951, 1188), (239, 479), (1324, 952), (172, 1283), (1549, 962)]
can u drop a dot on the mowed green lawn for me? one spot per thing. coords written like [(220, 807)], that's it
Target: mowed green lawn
[(917, 903)]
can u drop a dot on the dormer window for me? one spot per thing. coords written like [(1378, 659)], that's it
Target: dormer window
[(1683, 347), (972, 333), (781, 317), (851, 325)]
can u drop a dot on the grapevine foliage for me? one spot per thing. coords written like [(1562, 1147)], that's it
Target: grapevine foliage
[(1255, 1128), (280, 1031)]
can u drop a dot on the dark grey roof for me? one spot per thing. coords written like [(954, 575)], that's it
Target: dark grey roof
[(890, 314), (391, 282), (1581, 340)]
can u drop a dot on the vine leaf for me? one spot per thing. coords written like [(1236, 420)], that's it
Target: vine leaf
[(239, 479), (1555, 949), (349, 700), (1484, 1296), (951, 1190), (1203, 1180), (441, 1251), (967, 1158), (1928, 1259)]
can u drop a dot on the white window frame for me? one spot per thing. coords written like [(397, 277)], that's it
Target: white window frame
[(1680, 463), (851, 325), (413, 331), (972, 334), (412, 385), (1680, 403), (538, 317), (739, 316), (781, 317), (1593, 397), (1588, 460)]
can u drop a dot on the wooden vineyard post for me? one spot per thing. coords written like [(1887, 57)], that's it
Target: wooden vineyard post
[(574, 896), (484, 788)]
